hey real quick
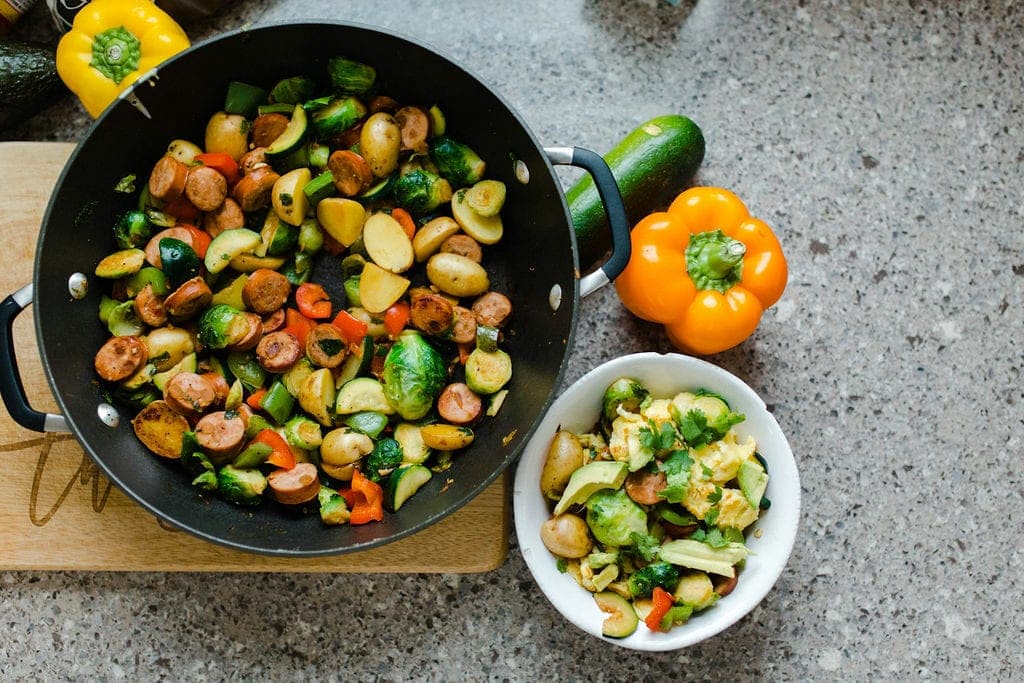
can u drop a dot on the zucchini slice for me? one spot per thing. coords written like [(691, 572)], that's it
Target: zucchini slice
[(402, 483), (622, 619), (362, 394), (292, 137), (121, 264), (229, 244)]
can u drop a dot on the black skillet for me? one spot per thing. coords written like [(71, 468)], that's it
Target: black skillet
[(536, 266)]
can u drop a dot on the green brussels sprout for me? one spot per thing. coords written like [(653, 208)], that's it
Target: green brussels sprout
[(414, 375), (624, 392), (386, 456), (613, 517), (132, 230), (241, 486), (333, 510), (221, 326), (642, 582), (179, 261), (421, 191), (457, 162)]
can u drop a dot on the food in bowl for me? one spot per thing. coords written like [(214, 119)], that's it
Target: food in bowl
[(649, 508), (238, 365), (769, 540)]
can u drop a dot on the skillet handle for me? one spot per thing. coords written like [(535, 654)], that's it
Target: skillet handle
[(608, 190), (11, 389)]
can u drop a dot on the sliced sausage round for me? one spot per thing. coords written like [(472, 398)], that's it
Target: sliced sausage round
[(431, 313), (206, 188), (325, 346), (265, 291), (492, 309), (253, 190), (167, 180), (221, 434), (252, 337), (189, 393), (464, 327), (459, 405), (254, 158), (643, 486), (268, 127), (120, 357), (463, 245), (382, 103), (191, 297), (351, 173), (278, 351), (227, 216), (415, 126), (348, 137), (220, 387), (273, 321), (298, 485), (150, 307)]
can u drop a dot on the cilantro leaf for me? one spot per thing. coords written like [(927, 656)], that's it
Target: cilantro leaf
[(644, 546), (677, 475), (562, 565), (707, 471), (715, 538), (712, 516), (657, 438), (733, 535), (697, 431), (716, 495)]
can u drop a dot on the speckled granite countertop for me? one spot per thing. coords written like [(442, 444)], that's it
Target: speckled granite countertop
[(883, 142)]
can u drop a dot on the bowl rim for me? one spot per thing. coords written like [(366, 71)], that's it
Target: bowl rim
[(563, 593)]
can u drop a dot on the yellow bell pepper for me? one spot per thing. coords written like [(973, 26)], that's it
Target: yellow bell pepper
[(111, 44), (705, 269)]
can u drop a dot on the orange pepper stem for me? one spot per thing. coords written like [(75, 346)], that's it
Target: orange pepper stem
[(714, 261)]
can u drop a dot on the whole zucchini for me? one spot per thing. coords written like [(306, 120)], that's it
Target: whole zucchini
[(651, 164)]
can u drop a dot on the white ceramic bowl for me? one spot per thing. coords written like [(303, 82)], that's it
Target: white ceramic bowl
[(770, 539)]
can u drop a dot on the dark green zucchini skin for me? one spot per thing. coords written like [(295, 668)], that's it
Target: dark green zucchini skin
[(28, 81), (652, 164)]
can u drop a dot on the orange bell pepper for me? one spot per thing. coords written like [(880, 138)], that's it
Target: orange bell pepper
[(705, 269), (662, 602), (368, 500)]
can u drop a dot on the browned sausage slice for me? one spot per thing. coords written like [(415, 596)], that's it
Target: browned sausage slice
[(382, 103), (643, 486), (463, 245), (227, 216), (252, 337), (725, 584), (206, 188), (415, 126), (464, 327), (161, 429), (191, 297), (298, 485), (254, 158), (220, 434), (492, 309), (350, 171), (325, 346), (167, 181), (273, 321), (278, 351), (431, 313), (253, 190), (150, 307), (189, 393), (220, 387), (268, 127), (348, 137), (265, 291), (120, 358), (459, 405)]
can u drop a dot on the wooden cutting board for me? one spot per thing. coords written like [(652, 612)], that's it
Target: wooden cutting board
[(58, 512)]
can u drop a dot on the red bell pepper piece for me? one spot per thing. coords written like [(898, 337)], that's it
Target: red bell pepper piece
[(369, 500), (281, 454), (404, 219), (182, 209), (396, 317), (663, 602), (222, 163), (255, 397), (352, 328), (298, 325), (313, 301), (200, 239)]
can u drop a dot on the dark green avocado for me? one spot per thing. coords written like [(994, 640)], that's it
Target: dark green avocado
[(28, 81)]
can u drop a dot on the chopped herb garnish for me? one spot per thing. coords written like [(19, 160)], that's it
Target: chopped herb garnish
[(677, 475)]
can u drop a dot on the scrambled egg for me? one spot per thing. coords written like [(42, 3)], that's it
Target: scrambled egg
[(724, 457), (624, 444)]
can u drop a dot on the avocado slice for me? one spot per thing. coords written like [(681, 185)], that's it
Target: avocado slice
[(753, 481), (587, 480)]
